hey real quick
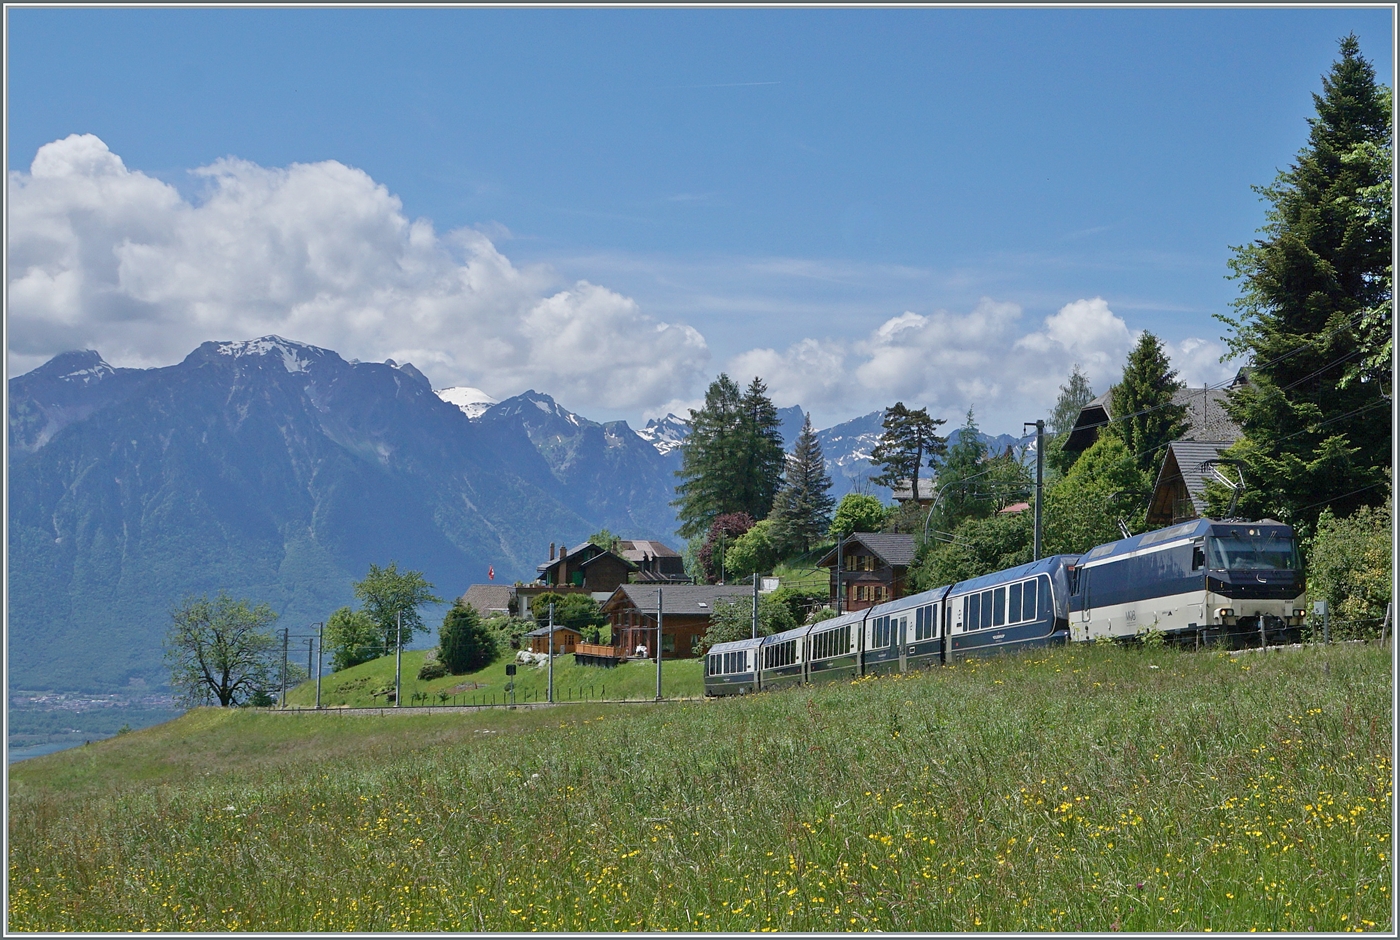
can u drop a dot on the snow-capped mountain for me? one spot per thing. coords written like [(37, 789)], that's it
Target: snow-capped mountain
[(472, 401), (665, 434)]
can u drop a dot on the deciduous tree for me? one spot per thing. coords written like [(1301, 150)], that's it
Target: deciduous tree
[(386, 592), (352, 638), (858, 512), (221, 650)]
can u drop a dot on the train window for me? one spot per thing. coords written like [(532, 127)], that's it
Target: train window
[(1028, 600), (1045, 597), (1013, 603), (1198, 558), (986, 609), (998, 607), (972, 604), (710, 664)]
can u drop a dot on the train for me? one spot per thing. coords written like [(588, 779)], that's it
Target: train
[(1199, 583)]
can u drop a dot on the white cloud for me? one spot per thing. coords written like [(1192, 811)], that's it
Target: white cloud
[(1197, 362), (948, 362), (104, 257)]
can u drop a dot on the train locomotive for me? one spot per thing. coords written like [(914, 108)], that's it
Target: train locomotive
[(1202, 582)]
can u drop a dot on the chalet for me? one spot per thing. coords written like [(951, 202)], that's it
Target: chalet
[(1179, 491), (587, 567), (654, 561), (874, 568), (490, 600), (566, 639), (685, 616)]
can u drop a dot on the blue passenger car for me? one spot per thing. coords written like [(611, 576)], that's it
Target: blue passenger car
[(732, 668), (783, 659), (1024, 606), (833, 648), (906, 633)]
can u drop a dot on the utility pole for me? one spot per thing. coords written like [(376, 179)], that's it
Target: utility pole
[(658, 644), (398, 662), (309, 640), (320, 655), (283, 695), (840, 597), (755, 605), (550, 689), (1039, 476)]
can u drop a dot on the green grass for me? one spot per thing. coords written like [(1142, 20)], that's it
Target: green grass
[(1085, 789), (680, 678)]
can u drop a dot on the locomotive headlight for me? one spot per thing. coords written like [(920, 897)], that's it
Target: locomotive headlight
[(1298, 614), (1225, 613)]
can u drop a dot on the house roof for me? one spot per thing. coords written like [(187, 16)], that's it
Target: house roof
[(892, 548), (1188, 458), (582, 551), (633, 550), (1205, 417), (544, 630), (486, 598), (692, 599)]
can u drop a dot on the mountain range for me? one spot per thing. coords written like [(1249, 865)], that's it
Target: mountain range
[(279, 471)]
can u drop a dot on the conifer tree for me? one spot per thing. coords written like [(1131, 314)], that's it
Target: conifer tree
[(1313, 316), (910, 442), (958, 478), (802, 510), (1143, 414), (709, 478), (732, 462), (762, 456)]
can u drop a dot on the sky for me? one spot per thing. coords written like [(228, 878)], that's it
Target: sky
[(947, 207)]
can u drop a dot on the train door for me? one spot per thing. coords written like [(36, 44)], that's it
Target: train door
[(903, 640)]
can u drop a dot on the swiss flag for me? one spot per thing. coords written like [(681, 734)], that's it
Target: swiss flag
[(491, 572)]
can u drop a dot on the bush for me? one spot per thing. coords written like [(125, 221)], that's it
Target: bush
[(431, 669), (464, 643), (755, 550), (858, 513), (352, 638), (1348, 566)]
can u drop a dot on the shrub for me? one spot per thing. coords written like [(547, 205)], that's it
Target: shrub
[(431, 669), (464, 643)]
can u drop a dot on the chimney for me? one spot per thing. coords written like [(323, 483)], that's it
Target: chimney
[(563, 577), (551, 551)]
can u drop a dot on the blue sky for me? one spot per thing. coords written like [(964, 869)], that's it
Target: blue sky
[(948, 206)]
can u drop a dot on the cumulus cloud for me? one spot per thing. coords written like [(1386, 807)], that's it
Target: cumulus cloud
[(984, 358), (1197, 362), (105, 257)]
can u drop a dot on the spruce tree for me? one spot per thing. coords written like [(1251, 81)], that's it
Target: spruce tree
[(959, 476), (909, 443), (1144, 417), (802, 510), (709, 475), (761, 454), (1313, 316), (464, 643)]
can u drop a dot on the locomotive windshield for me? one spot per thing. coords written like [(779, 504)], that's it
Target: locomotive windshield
[(1252, 550)]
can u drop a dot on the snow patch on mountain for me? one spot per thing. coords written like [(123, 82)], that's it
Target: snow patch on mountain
[(472, 401), (290, 351), (665, 434)]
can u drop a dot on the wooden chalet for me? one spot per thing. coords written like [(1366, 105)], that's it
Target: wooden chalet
[(685, 616), (874, 568), (566, 639), (654, 562), (587, 568)]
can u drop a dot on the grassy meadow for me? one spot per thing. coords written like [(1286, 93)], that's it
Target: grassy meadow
[(1084, 789), (356, 686)]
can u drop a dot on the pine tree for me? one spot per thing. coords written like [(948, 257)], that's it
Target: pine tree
[(733, 460), (709, 478), (802, 510), (464, 644), (909, 443), (762, 454), (959, 476), (1313, 316), (1144, 417)]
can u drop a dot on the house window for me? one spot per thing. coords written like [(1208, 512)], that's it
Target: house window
[(668, 643)]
